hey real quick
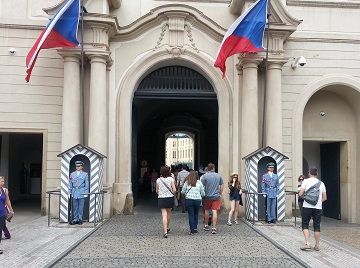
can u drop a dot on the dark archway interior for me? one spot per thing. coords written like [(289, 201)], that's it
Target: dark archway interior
[(173, 99)]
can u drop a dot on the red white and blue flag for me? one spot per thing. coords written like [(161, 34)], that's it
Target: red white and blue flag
[(244, 35), (61, 31)]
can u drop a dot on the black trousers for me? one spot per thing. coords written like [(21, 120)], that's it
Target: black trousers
[(2, 224)]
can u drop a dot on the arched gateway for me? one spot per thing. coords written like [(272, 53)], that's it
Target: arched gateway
[(127, 88), (168, 100)]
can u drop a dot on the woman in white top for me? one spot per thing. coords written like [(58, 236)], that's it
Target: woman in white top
[(165, 188)]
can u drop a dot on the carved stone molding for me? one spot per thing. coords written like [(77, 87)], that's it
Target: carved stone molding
[(158, 16), (175, 51), (189, 35), (99, 56), (176, 27), (114, 4), (161, 37)]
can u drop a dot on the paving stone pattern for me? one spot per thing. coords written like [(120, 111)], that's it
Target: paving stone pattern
[(136, 241), (34, 244), (331, 254)]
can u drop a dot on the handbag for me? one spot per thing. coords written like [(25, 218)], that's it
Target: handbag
[(9, 217)]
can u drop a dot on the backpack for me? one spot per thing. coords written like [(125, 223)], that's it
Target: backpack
[(312, 194)]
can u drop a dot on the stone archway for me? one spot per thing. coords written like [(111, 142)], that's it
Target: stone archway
[(338, 90), (125, 92)]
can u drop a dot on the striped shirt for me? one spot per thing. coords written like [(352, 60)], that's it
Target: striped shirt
[(192, 192)]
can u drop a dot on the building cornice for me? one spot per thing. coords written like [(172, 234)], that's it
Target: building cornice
[(157, 16), (328, 4)]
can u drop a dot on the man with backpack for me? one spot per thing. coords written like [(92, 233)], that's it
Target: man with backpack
[(314, 193)]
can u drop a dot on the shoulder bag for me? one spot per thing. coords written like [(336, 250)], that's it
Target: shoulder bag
[(312, 194), (167, 187)]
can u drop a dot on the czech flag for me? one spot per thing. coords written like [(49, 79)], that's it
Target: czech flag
[(244, 35), (61, 31)]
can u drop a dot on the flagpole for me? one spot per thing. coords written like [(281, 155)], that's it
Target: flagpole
[(82, 75), (266, 71)]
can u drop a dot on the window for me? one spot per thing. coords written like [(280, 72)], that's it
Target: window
[(174, 154)]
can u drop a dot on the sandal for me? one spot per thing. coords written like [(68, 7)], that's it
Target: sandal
[(306, 248), (165, 235), (213, 230), (206, 227)]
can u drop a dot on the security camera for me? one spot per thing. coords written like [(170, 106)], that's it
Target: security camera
[(302, 61), (298, 61), (12, 51)]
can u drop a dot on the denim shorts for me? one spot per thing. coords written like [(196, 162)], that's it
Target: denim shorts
[(236, 198)]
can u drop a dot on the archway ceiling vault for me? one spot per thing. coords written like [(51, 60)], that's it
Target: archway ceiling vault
[(179, 112)]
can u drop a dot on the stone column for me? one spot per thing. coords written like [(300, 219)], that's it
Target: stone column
[(273, 106), (71, 114), (98, 116), (250, 106)]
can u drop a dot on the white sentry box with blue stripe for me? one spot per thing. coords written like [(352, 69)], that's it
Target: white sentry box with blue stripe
[(95, 169), (252, 181)]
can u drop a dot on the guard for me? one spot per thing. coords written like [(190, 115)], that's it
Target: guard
[(270, 186), (78, 185)]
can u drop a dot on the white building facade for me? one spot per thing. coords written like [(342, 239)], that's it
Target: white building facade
[(149, 73), (179, 150)]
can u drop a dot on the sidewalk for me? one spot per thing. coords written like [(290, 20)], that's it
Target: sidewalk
[(34, 244), (333, 253)]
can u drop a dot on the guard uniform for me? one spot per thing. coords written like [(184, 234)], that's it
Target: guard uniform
[(78, 185), (270, 186)]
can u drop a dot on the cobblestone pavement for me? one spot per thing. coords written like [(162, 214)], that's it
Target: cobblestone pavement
[(136, 241)]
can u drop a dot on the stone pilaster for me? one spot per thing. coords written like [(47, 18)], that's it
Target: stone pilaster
[(273, 106), (250, 106), (98, 116), (72, 111)]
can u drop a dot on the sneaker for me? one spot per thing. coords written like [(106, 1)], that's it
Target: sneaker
[(229, 223), (213, 230), (317, 248), (236, 222), (206, 228)]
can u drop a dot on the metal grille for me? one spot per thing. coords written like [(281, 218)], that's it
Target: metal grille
[(175, 82)]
